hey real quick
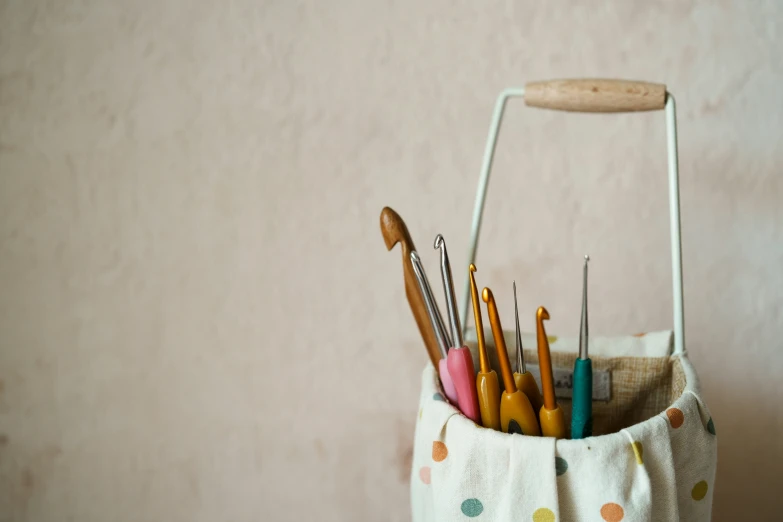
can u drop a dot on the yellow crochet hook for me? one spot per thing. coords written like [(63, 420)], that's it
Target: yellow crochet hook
[(486, 380), (516, 413), (523, 378), (551, 415)]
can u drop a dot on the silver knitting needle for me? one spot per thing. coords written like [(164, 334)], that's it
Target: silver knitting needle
[(448, 287), (432, 306)]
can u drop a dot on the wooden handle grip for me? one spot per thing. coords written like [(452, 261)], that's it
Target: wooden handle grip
[(596, 95)]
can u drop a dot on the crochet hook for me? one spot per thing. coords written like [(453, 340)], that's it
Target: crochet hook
[(523, 378), (437, 325), (459, 360), (516, 413), (550, 415), (487, 386), (582, 413), (394, 231)]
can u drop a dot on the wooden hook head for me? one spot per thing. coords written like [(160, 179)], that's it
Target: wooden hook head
[(393, 229)]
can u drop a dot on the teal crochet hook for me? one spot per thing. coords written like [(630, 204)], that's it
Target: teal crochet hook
[(582, 411)]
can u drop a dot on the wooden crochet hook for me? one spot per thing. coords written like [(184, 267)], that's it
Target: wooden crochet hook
[(394, 231)]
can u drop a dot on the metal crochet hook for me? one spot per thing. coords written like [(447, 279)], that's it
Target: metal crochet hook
[(523, 378), (582, 412), (521, 368), (437, 324), (487, 385), (516, 413), (583, 325), (460, 361), (551, 414), (431, 304), (448, 287)]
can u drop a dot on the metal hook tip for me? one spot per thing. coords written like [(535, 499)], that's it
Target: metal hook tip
[(438, 241), (472, 267)]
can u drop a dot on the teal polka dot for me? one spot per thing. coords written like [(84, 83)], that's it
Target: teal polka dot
[(711, 426), (561, 466), (472, 507), (514, 427), (438, 397)]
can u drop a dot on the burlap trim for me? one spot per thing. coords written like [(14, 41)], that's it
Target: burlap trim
[(642, 387)]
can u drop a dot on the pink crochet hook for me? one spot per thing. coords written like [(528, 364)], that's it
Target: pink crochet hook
[(437, 324), (459, 360)]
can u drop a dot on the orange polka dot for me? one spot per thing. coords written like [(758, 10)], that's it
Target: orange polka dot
[(640, 334), (439, 451), (612, 512), (676, 417), (425, 474)]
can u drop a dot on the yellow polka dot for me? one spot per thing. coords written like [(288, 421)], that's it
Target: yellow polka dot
[(699, 491), (638, 450), (439, 451), (543, 515), (551, 338), (420, 411)]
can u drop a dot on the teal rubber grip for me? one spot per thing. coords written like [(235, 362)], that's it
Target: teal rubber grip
[(582, 403)]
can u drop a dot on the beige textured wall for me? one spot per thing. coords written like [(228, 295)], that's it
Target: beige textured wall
[(198, 317)]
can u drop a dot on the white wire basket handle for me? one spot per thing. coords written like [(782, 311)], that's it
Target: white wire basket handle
[(594, 95)]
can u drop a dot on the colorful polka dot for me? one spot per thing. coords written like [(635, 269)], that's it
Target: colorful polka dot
[(699, 491), (472, 507), (612, 512), (551, 338), (439, 451), (425, 474), (638, 451), (561, 466), (421, 410), (438, 397), (543, 515), (514, 427), (676, 417), (641, 334), (711, 426)]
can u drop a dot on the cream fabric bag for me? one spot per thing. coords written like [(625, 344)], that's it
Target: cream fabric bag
[(654, 453), (653, 457)]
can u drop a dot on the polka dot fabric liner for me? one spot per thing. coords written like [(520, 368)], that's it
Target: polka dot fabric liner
[(660, 467)]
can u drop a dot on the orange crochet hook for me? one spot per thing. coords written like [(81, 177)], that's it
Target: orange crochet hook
[(523, 378), (516, 413), (551, 415), (486, 380)]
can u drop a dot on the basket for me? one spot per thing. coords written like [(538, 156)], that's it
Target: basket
[(654, 453)]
